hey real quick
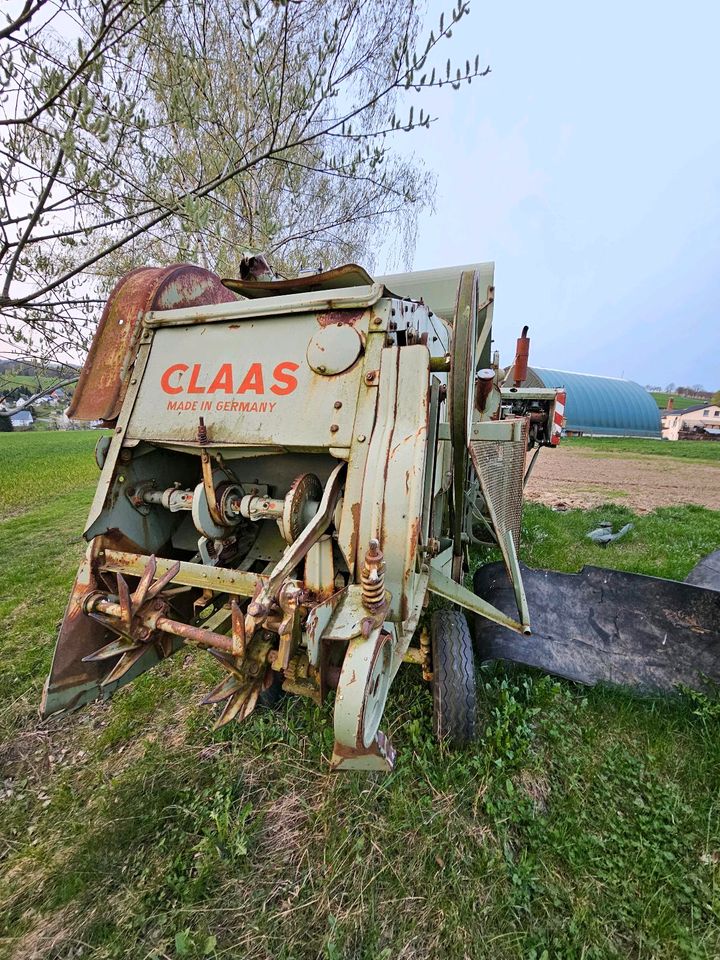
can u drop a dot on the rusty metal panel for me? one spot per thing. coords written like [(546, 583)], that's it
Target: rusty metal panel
[(348, 275), (251, 383), (103, 382)]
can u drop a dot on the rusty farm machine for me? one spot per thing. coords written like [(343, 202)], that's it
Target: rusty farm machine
[(294, 467)]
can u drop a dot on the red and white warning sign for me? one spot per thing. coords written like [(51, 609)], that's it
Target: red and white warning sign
[(558, 420)]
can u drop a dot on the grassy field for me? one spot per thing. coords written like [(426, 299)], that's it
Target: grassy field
[(35, 469), (679, 402), (708, 451), (584, 824), (8, 381)]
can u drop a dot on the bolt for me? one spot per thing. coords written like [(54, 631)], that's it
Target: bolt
[(369, 377), (377, 321), (320, 368), (334, 428), (361, 438), (337, 404), (121, 479)]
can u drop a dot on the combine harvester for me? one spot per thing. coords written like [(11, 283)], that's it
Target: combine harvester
[(295, 466)]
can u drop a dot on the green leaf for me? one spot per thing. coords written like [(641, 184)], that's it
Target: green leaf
[(209, 945), (183, 943)]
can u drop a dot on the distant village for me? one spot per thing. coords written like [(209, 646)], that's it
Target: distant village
[(29, 400)]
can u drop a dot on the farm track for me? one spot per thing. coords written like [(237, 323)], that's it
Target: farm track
[(642, 483)]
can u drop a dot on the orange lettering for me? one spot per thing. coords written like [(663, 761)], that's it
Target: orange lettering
[(253, 380), (193, 385), (165, 378), (283, 377), (223, 380)]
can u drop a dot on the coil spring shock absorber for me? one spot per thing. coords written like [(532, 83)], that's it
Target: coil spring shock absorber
[(372, 577)]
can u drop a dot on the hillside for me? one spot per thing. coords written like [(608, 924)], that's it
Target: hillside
[(679, 402)]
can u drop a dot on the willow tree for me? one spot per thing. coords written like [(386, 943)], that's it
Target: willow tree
[(157, 130)]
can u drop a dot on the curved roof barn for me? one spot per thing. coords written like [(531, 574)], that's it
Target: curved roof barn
[(604, 406)]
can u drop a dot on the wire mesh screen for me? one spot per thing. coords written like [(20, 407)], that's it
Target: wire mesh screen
[(500, 466)]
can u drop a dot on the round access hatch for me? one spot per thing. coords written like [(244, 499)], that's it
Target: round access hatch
[(334, 349)]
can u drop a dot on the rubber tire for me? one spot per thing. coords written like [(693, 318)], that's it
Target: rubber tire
[(453, 687)]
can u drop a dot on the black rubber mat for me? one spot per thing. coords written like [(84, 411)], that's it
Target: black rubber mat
[(606, 626), (707, 572)]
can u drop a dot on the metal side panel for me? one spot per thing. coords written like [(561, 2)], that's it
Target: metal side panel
[(252, 382), (370, 506), (606, 626), (402, 507)]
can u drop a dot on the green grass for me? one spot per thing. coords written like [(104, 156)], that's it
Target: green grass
[(584, 824), (705, 450), (679, 402), (665, 543), (39, 467)]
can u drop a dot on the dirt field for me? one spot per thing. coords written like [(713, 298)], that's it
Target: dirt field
[(589, 478)]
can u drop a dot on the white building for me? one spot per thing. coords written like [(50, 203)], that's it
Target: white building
[(22, 420), (703, 418)]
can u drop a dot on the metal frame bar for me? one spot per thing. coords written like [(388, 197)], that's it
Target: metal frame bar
[(445, 587), (365, 296), (529, 393), (517, 582), (502, 431), (531, 465), (238, 582)]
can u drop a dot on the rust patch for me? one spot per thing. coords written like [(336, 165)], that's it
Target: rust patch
[(106, 373), (483, 389), (346, 752), (350, 317), (354, 533), (414, 538)]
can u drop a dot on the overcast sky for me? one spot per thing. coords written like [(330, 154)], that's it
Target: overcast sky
[(587, 166)]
